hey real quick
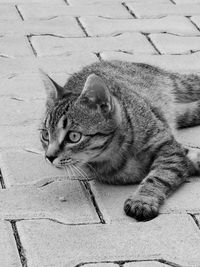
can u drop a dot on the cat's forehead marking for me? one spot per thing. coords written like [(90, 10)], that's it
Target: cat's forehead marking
[(62, 130)]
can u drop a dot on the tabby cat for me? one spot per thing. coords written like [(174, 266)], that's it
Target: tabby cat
[(118, 120)]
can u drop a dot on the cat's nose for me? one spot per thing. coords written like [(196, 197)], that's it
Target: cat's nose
[(50, 158)]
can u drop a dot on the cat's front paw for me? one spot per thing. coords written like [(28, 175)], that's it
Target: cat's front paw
[(142, 208)]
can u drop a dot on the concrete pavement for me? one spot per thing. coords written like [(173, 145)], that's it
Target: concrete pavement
[(45, 219)]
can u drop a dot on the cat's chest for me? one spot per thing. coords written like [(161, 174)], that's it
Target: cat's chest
[(131, 171)]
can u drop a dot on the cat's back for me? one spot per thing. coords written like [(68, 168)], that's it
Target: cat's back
[(123, 78)]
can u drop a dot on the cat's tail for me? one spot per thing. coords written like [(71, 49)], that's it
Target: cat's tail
[(187, 98)]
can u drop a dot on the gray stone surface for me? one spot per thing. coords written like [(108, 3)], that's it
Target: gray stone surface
[(34, 168), (14, 46), (9, 12), (111, 198), (64, 201), (55, 26), (16, 137), (145, 264), (15, 110), (171, 44), (65, 245), (159, 10), (67, 63), (8, 249), (45, 11), (178, 63), (98, 26), (135, 42)]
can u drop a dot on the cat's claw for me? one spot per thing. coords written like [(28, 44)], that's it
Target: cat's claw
[(142, 208)]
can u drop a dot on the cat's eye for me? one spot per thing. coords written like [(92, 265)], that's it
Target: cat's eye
[(74, 137), (45, 135)]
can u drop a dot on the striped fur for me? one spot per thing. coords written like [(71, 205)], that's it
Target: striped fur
[(126, 114)]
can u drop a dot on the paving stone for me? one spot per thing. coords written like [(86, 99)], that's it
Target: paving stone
[(160, 10), (19, 112), (86, 2), (31, 1), (54, 26), (177, 63), (145, 264), (27, 86), (35, 11), (33, 170), (67, 63), (190, 136), (14, 46), (22, 87), (11, 66), (8, 253), (63, 201), (198, 219), (25, 137), (111, 198), (171, 44), (97, 26), (196, 20), (134, 42), (47, 243), (9, 12), (187, 1), (185, 199), (101, 264)]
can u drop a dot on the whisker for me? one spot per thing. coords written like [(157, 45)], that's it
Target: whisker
[(75, 171), (81, 170), (81, 173), (93, 170), (72, 172), (67, 172)]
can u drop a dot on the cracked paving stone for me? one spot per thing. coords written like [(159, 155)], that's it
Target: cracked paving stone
[(159, 10), (45, 202), (178, 63), (50, 244), (8, 250), (170, 44), (135, 42), (42, 11), (97, 26)]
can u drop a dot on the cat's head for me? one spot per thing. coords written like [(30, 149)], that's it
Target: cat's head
[(79, 128)]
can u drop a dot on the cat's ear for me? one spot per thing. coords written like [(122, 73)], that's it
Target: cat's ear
[(53, 90), (96, 94)]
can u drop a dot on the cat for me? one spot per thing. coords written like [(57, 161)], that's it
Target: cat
[(119, 120)]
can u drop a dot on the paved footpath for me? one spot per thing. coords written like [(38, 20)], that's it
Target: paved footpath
[(45, 219)]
